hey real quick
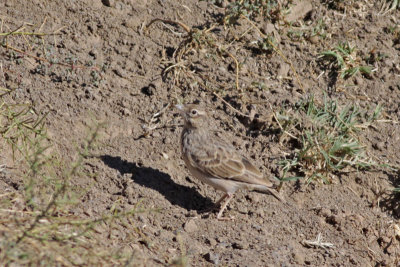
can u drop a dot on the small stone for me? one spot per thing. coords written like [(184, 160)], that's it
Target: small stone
[(298, 258), (300, 10), (254, 198), (261, 212), (391, 249), (242, 209), (222, 69), (268, 28), (109, 3), (314, 39), (240, 245), (133, 22), (211, 242), (126, 112), (93, 53), (190, 226), (148, 90), (325, 212), (128, 191), (358, 80), (212, 257), (334, 219), (379, 145), (386, 239), (283, 70), (120, 72)]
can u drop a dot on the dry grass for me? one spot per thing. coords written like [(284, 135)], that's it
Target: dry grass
[(325, 139), (37, 224)]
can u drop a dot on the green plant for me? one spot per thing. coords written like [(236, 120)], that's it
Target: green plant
[(344, 57), (325, 139), (266, 44), (319, 29), (20, 127), (42, 230), (251, 9), (307, 32)]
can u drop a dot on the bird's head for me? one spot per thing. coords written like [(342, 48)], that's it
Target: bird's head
[(193, 115)]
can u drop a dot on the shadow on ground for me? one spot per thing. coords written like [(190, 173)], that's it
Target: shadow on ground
[(391, 202), (181, 195)]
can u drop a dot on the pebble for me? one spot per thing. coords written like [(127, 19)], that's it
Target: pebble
[(334, 219), (314, 39), (268, 28), (300, 10), (240, 245), (109, 3), (379, 145), (298, 258), (190, 226), (126, 112), (211, 242), (212, 257), (325, 212)]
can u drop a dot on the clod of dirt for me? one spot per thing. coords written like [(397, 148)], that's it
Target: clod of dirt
[(212, 257), (298, 258), (190, 226), (301, 10), (325, 212), (148, 90), (240, 245), (379, 145), (109, 3), (334, 220), (283, 70)]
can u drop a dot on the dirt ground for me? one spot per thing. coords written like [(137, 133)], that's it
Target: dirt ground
[(124, 82)]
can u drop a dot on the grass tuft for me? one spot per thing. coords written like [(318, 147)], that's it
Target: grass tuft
[(325, 139), (269, 9), (344, 58)]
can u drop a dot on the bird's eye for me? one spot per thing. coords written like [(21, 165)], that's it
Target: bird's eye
[(194, 112)]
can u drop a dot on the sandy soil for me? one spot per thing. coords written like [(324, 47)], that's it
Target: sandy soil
[(124, 83)]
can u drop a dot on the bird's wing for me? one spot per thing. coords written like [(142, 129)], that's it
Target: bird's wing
[(222, 161)]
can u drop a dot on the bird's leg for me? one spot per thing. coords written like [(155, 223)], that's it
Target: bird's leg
[(228, 197), (220, 200), (215, 206)]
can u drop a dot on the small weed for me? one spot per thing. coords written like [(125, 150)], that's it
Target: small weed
[(319, 29), (259, 85), (251, 9), (20, 126), (325, 139), (307, 32), (344, 58), (373, 57), (266, 44), (195, 40), (42, 230)]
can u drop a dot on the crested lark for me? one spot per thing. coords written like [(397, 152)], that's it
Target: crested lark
[(215, 162)]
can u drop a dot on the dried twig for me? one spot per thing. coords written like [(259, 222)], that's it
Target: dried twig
[(191, 32), (317, 243), (153, 122)]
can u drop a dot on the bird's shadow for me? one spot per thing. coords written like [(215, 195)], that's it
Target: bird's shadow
[(181, 195), (391, 201)]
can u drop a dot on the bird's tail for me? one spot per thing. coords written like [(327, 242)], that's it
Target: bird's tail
[(269, 190)]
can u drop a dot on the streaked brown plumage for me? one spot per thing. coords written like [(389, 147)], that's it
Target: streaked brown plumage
[(215, 162)]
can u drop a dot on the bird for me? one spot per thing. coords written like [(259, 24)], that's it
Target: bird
[(216, 162)]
